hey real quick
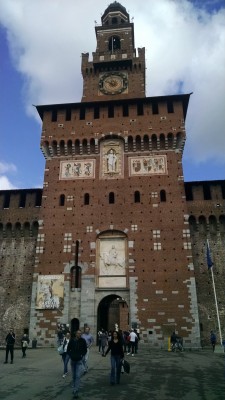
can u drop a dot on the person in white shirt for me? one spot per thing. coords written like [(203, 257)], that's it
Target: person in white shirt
[(133, 338)]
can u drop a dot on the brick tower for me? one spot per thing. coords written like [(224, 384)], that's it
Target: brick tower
[(113, 246)]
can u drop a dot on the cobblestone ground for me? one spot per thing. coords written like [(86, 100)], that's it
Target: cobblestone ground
[(154, 375)]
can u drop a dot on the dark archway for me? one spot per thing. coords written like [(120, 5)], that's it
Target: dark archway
[(75, 325), (112, 310)]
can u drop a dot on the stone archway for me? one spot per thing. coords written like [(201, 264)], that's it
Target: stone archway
[(112, 310)]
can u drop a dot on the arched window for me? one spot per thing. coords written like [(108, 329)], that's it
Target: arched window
[(86, 199), (130, 143), (111, 198), (138, 143), (75, 277), (114, 43), (137, 196), (162, 195), (92, 145), (62, 200)]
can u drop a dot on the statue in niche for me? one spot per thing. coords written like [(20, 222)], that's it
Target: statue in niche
[(111, 161)]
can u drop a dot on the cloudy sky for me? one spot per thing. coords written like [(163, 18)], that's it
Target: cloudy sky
[(41, 42)]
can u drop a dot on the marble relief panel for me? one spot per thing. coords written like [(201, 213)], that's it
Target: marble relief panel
[(77, 169), (148, 165)]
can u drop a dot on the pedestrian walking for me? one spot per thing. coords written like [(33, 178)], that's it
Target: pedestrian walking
[(87, 336), (133, 338), (213, 340), (104, 341), (65, 355), (117, 355), (10, 341), (24, 344), (76, 350)]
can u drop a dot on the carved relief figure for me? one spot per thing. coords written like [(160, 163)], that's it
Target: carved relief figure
[(112, 263), (111, 161)]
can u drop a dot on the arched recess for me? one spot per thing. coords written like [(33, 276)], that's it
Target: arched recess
[(74, 325), (17, 229), (130, 143), (113, 310), (202, 225), (162, 141), (222, 223), (212, 224), (138, 143), (146, 142), (193, 224), (92, 145)]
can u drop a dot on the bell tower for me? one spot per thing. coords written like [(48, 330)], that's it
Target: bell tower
[(116, 71)]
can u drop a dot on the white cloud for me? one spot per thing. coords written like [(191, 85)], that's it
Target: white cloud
[(6, 167), (5, 183), (185, 47)]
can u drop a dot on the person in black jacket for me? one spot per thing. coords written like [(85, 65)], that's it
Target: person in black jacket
[(10, 341), (76, 349), (117, 354)]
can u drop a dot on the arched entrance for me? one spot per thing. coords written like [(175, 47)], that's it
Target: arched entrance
[(75, 324), (113, 310)]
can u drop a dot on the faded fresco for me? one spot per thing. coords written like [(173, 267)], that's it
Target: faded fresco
[(148, 165), (79, 169), (111, 159), (50, 292)]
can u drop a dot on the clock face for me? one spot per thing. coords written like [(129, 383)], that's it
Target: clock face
[(113, 83)]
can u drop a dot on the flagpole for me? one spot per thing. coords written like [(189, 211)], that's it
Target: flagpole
[(217, 311)]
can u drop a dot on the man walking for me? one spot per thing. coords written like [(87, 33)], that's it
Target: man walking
[(10, 341), (213, 340), (89, 341), (76, 350)]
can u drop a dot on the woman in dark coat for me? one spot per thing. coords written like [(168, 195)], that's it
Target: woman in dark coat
[(117, 354)]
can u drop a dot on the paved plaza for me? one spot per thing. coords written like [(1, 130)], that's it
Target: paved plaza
[(155, 375)]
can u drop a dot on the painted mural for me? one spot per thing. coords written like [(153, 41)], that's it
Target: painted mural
[(50, 291)]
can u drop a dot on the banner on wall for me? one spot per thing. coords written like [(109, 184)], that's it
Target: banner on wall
[(50, 292)]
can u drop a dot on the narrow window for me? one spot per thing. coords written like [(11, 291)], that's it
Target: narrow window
[(54, 115), (78, 277), (6, 200), (110, 111), (38, 198), (22, 202), (140, 109), (68, 114), (96, 112), (125, 110), (162, 195), (155, 108), (207, 192), (62, 200), (114, 43), (82, 113), (188, 192), (86, 199), (137, 197), (111, 198), (170, 106)]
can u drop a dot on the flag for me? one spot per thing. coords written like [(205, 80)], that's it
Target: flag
[(208, 255)]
